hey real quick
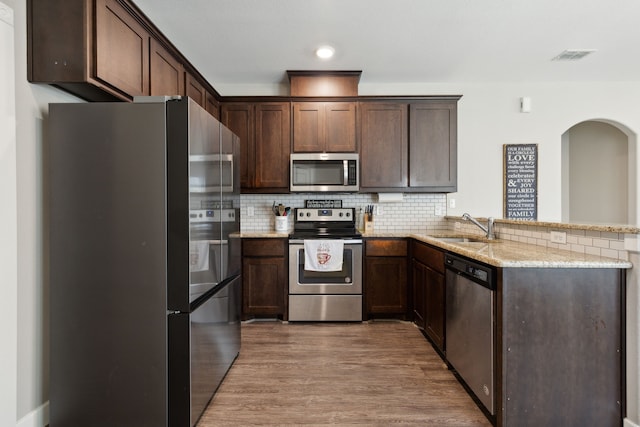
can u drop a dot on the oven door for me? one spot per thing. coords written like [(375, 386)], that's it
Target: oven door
[(344, 282)]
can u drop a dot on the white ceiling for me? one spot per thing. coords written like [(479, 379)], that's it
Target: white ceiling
[(254, 42)]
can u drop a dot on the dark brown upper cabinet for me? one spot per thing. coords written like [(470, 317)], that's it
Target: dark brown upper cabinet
[(166, 72), (324, 127), (195, 90), (433, 150), (122, 49), (264, 129), (409, 146), (106, 50), (383, 146)]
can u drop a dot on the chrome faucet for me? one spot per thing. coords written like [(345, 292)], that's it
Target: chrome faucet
[(488, 229)]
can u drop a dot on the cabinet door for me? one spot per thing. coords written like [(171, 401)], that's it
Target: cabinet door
[(308, 127), (166, 75), (272, 145), (213, 106), (419, 297), (195, 90), (433, 146), (435, 306), (263, 282), (384, 146), (386, 285), (239, 117), (340, 127), (122, 49)]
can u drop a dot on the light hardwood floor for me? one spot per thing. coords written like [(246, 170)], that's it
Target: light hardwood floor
[(373, 374)]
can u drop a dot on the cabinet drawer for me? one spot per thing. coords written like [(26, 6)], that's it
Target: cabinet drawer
[(264, 247), (429, 256), (386, 247)]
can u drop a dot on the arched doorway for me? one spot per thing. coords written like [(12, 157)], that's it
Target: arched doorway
[(599, 174)]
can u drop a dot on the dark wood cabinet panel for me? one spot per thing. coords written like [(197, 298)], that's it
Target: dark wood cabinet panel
[(340, 127), (383, 146), (560, 347), (264, 278), (385, 276), (434, 288), (213, 106), (308, 127), (433, 146), (239, 117), (273, 144), (386, 247), (429, 292), (324, 126), (122, 49), (166, 74), (265, 134), (418, 282), (386, 285), (195, 90)]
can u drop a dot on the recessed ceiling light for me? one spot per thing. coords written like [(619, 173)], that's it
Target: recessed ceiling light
[(572, 54), (325, 52)]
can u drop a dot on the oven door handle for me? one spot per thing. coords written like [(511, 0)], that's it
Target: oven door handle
[(346, 241)]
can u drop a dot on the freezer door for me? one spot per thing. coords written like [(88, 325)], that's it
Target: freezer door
[(202, 348)]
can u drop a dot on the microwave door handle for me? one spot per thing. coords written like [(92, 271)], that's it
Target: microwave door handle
[(230, 187), (345, 164)]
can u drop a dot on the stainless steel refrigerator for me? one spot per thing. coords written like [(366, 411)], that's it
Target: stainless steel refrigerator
[(144, 261)]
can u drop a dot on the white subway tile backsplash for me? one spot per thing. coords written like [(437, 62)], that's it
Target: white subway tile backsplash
[(593, 242), (416, 213)]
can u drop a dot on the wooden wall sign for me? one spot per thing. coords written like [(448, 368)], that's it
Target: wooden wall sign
[(521, 181)]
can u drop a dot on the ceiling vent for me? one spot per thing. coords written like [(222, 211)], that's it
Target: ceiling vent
[(573, 54)]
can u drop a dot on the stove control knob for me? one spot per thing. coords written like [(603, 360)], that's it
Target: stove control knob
[(348, 214), (308, 214), (301, 214), (341, 214)]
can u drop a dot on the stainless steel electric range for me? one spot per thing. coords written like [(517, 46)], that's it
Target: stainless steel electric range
[(325, 266)]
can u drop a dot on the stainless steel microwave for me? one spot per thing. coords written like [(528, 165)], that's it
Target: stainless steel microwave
[(210, 172), (324, 172)]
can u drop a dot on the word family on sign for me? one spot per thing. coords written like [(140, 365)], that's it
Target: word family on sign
[(521, 181)]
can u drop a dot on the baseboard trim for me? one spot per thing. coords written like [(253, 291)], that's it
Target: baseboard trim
[(39, 417), (628, 423)]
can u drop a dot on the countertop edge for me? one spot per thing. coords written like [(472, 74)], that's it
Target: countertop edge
[(538, 256)]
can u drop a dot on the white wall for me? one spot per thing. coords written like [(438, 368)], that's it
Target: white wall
[(598, 174), (8, 221), (31, 348)]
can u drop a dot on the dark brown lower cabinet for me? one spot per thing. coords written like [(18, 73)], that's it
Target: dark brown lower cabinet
[(428, 282), (418, 278), (264, 278), (385, 278)]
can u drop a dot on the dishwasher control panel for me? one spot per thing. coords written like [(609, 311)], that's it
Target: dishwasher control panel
[(478, 273), (475, 271)]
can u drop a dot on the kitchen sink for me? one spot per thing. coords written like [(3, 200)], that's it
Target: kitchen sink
[(462, 239)]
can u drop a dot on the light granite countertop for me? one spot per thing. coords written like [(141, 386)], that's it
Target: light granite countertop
[(612, 228), (498, 253), (509, 254)]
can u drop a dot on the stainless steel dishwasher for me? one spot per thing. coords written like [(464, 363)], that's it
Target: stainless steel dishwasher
[(470, 325)]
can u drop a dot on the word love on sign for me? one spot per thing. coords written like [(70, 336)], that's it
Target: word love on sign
[(521, 181)]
